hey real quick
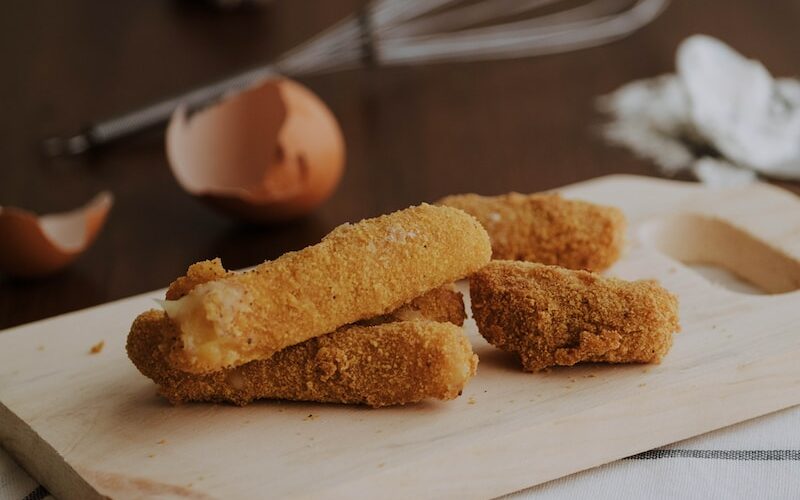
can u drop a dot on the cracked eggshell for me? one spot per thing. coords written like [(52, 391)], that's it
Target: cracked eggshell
[(270, 153), (32, 245)]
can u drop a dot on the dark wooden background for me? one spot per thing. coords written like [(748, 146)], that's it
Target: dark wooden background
[(413, 133)]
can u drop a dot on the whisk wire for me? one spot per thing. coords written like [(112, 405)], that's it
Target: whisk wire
[(396, 32)]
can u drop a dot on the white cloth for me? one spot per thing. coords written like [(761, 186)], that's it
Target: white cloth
[(755, 459), (721, 116), (15, 483)]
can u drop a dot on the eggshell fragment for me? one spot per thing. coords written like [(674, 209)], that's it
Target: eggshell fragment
[(32, 245), (269, 153)]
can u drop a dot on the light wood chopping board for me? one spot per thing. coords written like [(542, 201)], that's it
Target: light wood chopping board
[(89, 425)]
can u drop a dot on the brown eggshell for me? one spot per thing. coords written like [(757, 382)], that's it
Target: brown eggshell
[(269, 153), (32, 245)]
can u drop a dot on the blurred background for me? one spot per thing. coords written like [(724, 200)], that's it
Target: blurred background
[(413, 132)]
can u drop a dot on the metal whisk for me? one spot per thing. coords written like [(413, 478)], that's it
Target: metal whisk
[(395, 32)]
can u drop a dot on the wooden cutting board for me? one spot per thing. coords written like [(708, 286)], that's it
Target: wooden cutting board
[(88, 425)]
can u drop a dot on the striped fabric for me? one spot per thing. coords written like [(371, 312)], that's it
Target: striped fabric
[(755, 459)]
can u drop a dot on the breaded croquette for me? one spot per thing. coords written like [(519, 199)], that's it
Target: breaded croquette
[(552, 316), (358, 271), (397, 362), (547, 228), (444, 304)]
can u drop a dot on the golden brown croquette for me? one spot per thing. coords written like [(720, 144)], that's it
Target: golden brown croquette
[(553, 316), (358, 271), (547, 228), (395, 362)]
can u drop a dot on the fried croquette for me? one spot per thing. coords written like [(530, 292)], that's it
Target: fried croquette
[(444, 303), (358, 271), (551, 316), (547, 228), (396, 362)]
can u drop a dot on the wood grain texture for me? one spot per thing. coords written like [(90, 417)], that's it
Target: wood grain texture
[(413, 133), (91, 424)]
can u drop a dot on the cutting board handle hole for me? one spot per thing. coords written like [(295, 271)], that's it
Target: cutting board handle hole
[(714, 246)]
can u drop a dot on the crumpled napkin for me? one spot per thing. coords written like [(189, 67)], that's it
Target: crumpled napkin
[(721, 116)]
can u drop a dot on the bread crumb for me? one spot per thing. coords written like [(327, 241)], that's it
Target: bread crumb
[(163, 441), (471, 401), (151, 455), (310, 416), (97, 347), (642, 384)]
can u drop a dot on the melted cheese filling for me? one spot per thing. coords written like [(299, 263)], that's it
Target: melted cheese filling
[(205, 318)]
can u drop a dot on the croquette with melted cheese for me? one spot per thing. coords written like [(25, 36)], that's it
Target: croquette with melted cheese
[(394, 362), (358, 271)]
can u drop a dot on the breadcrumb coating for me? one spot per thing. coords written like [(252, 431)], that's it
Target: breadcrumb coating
[(358, 271), (552, 316), (201, 272), (397, 362), (444, 304), (548, 229)]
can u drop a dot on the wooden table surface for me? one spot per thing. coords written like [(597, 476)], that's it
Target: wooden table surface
[(413, 133)]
